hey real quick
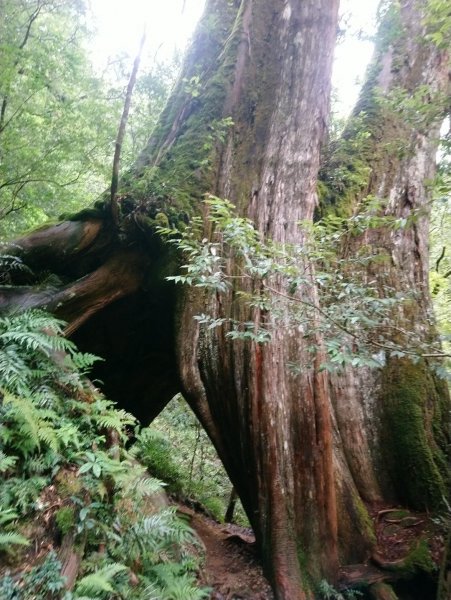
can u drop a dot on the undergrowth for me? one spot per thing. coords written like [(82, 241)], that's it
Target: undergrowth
[(177, 450), (68, 481)]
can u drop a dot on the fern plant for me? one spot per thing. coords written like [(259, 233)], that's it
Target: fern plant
[(10, 538), (42, 582), (53, 425)]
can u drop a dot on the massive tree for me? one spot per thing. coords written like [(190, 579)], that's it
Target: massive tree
[(309, 453)]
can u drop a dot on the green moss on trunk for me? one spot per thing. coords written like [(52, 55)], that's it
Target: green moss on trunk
[(409, 395)]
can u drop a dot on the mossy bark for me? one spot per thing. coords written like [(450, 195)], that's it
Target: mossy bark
[(416, 462), (444, 586), (388, 152)]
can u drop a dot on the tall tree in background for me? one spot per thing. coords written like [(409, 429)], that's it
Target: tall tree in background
[(308, 452)]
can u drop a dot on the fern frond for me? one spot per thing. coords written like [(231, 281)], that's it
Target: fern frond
[(26, 414), (100, 581), (34, 423), (21, 493), (12, 538), (159, 534), (28, 339), (12, 369), (7, 462), (33, 320), (176, 585), (84, 360), (144, 486), (48, 435), (39, 464), (8, 515), (117, 420), (9, 262)]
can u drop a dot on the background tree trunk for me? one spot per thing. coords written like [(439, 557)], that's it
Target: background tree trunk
[(399, 414), (305, 451)]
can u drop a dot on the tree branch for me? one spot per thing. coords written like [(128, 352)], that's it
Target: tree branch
[(119, 276), (121, 132), (440, 258), (323, 313)]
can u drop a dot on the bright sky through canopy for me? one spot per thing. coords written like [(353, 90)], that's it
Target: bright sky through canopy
[(170, 24), (120, 23)]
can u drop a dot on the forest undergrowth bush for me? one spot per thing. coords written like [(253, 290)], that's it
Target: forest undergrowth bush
[(177, 450), (68, 479)]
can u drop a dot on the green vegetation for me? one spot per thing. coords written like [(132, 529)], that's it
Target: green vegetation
[(354, 319), (440, 262), (55, 137), (63, 476), (70, 474), (419, 559), (177, 450), (58, 117), (328, 592)]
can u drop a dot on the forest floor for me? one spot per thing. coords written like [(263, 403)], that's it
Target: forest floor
[(232, 569), (233, 572)]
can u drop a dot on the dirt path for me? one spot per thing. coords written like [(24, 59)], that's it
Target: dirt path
[(232, 569)]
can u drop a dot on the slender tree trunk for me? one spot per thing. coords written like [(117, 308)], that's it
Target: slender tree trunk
[(306, 451)]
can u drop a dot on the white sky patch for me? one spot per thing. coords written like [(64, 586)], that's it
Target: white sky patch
[(170, 24), (353, 55), (119, 26)]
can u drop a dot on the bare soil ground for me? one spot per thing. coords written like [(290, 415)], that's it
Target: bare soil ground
[(232, 568)]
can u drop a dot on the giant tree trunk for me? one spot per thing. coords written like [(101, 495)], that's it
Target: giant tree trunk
[(305, 451)]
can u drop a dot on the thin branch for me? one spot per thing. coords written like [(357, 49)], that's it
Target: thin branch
[(12, 209), (22, 182), (350, 333), (33, 18), (4, 124), (121, 132), (440, 258)]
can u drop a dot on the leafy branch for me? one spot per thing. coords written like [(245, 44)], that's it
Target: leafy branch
[(319, 287)]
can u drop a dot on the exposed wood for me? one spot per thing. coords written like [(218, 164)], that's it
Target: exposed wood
[(119, 276), (53, 246), (70, 555), (388, 565), (352, 576)]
